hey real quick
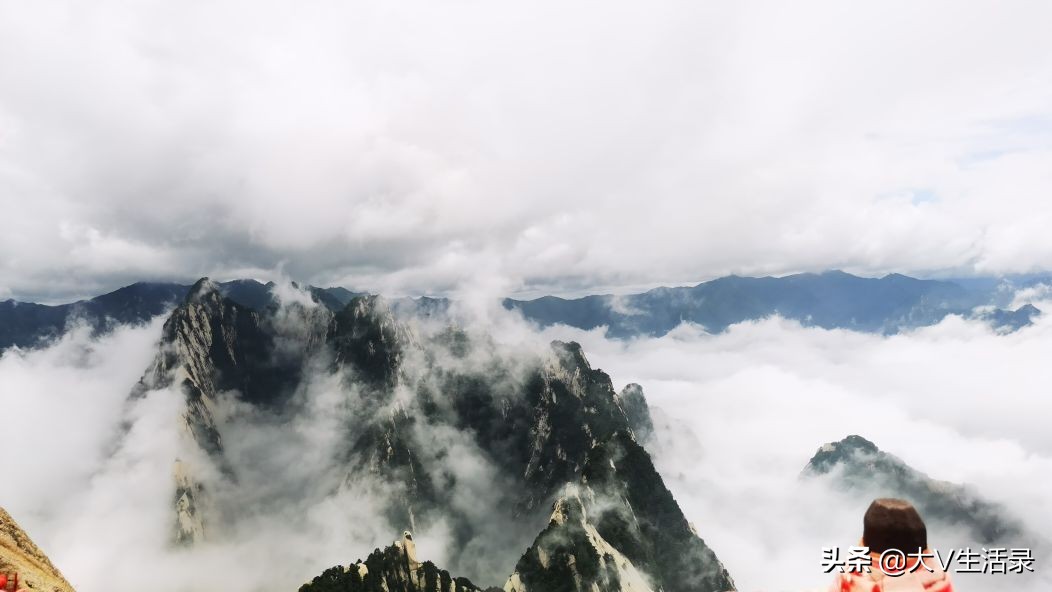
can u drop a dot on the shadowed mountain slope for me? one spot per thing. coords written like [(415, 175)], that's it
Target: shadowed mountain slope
[(859, 468), (426, 400)]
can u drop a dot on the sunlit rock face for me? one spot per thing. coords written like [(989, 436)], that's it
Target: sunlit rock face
[(392, 569), (210, 345), (20, 557), (618, 528), (438, 413), (860, 469)]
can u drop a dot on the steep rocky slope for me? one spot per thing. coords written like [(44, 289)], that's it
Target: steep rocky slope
[(19, 555), (862, 469), (393, 569), (618, 528), (536, 421)]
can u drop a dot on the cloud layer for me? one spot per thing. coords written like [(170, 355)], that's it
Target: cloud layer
[(95, 481), (740, 414), (95, 487), (410, 147)]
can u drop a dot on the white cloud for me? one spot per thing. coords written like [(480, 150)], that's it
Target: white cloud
[(743, 411), (64, 403), (95, 483), (751, 407), (1031, 295), (95, 487), (405, 146)]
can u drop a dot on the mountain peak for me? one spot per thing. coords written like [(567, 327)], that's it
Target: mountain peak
[(571, 549), (616, 522), (393, 568), (852, 443), (859, 468), (570, 354), (201, 289), (634, 404)]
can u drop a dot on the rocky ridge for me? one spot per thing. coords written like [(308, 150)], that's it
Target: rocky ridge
[(554, 429), (861, 468), (19, 555), (392, 569)]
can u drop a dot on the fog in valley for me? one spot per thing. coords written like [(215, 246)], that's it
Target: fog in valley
[(737, 417)]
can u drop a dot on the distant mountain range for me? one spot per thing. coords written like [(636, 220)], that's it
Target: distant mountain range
[(830, 300), (26, 324)]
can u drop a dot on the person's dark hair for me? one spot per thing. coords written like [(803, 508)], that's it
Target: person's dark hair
[(893, 524)]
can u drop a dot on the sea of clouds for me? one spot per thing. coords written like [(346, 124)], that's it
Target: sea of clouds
[(738, 416)]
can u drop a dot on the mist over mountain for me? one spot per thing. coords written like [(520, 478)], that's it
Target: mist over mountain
[(861, 469), (512, 460), (443, 432), (27, 324), (518, 297)]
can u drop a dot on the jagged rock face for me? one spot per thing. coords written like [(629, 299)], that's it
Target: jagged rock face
[(189, 524), (864, 470), (538, 429), (541, 421), (620, 529), (366, 337), (571, 554), (574, 409), (394, 569), (636, 411), (209, 345), (212, 344), (19, 555)]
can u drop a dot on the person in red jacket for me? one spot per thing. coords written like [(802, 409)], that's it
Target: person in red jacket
[(895, 525), (10, 582)]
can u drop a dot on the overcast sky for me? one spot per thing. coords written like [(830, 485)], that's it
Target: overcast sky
[(414, 147)]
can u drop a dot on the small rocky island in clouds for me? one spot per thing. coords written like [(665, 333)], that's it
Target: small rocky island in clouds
[(862, 471)]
